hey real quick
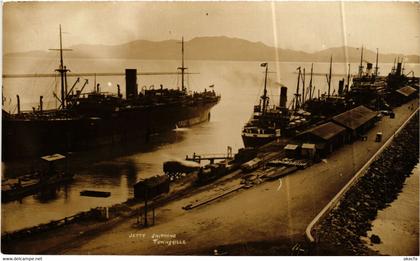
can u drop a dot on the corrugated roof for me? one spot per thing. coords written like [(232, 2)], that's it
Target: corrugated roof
[(326, 131), (308, 146), (355, 118), (291, 147), (53, 157), (406, 91)]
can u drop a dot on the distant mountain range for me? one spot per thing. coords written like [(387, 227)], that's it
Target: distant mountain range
[(216, 48)]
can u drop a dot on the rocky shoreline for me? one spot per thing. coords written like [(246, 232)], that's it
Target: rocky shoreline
[(340, 232)]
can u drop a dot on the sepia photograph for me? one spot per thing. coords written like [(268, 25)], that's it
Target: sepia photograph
[(210, 128)]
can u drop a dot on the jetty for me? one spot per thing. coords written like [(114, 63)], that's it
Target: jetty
[(285, 202)]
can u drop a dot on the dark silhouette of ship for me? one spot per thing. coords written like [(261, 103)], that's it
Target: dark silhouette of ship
[(330, 103), (368, 87), (379, 93), (382, 92), (268, 123), (37, 181), (87, 120)]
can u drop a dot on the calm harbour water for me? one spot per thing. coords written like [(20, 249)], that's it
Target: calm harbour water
[(239, 83)]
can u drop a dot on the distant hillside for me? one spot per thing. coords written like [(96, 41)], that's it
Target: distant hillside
[(215, 48)]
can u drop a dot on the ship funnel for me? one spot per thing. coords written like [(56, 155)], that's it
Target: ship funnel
[(340, 87), (119, 91), (369, 69), (399, 64), (41, 103), (18, 104), (283, 97), (131, 83)]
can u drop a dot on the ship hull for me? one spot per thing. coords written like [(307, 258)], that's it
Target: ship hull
[(33, 138), (256, 141)]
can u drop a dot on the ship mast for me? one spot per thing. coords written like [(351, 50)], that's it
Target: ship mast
[(348, 79), (393, 67), (264, 96), (376, 67), (63, 72), (303, 86), (297, 91), (361, 64), (310, 82), (182, 68), (329, 77)]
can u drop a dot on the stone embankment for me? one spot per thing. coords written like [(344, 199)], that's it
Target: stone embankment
[(341, 231)]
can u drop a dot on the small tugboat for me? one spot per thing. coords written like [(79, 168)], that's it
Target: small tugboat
[(17, 188), (272, 122)]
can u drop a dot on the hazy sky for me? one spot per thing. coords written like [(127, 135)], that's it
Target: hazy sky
[(307, 26)]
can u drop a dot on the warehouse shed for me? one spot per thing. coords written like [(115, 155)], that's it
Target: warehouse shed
[(405, 94), (308, 151), (406, 91), (292, 150), (326, 137), (357, 121)]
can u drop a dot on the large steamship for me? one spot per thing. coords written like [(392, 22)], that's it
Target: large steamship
[(268, 123), (86, 120)]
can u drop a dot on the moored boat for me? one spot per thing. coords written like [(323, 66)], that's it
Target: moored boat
[(17, 188), (269, 123), (87, 120)]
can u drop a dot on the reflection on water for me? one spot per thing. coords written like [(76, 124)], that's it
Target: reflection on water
[(117, 169), (50, 193)]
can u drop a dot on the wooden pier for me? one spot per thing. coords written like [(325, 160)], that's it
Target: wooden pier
[(211, 157)]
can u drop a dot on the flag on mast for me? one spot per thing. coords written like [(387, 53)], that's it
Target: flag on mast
[(263, 64)]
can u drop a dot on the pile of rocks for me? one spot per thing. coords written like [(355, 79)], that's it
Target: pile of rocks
[(340, 232)]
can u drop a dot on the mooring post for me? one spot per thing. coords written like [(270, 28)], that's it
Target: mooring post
[(145, 207)]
